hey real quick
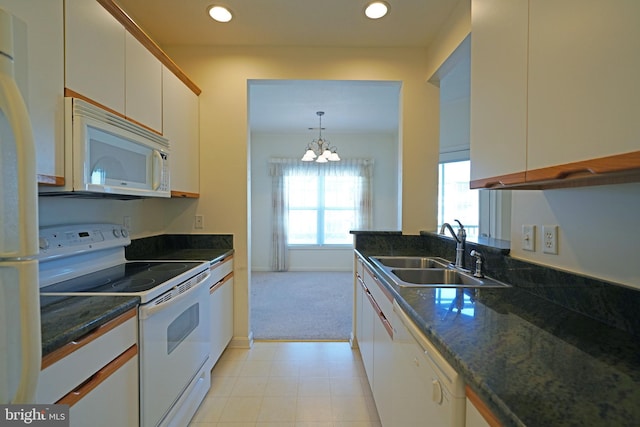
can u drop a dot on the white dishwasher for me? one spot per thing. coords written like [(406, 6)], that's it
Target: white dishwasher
[(427, 391)]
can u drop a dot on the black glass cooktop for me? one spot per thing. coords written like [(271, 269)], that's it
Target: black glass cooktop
[(130, 277)]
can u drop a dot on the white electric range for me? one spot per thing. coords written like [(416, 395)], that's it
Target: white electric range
[(173, 316)]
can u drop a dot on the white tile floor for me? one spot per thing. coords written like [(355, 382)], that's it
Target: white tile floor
[(289, 384)]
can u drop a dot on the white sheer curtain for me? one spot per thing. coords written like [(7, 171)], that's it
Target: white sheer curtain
[(279, 168)]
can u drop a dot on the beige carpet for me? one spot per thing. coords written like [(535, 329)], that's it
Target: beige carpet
[(301, 305)]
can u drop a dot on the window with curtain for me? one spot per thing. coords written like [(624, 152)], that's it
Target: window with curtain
[(321, 209), (318, 204)]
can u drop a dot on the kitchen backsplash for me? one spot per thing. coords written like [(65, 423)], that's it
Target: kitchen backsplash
[(150, 247)]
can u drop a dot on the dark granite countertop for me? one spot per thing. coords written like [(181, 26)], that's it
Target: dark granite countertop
[(65, 319), (533, 362)]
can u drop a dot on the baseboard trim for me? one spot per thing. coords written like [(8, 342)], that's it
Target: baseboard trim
[(241, 342)]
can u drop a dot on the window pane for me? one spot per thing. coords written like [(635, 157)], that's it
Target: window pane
[(337, 224), (303, 191), (456, 200), (340, 191), (303, 227)]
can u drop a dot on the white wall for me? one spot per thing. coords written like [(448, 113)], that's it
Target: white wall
[(223, 74), (598, 229), (147, 215), (382, 148)]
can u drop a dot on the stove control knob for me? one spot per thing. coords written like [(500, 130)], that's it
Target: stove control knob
[(43, 243), (116, 233), (124, 232)]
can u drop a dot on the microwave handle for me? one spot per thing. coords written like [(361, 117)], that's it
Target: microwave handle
[(157, 169)]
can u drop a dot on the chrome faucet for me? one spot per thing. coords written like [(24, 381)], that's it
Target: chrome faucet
[(460, 237)]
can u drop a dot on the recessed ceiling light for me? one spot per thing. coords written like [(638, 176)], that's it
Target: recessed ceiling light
[(220, 13), (376, 9)]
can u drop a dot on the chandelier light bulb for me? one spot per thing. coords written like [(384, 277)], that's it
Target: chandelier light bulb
[(320, 149)]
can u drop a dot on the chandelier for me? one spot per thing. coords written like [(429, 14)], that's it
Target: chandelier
[(319, 149)]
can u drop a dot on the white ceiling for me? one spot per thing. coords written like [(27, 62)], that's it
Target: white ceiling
[(290, 106)]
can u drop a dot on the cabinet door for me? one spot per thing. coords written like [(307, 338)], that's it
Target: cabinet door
[(221, 302), (365, 340), (584, 92), (383, 372), (498, 92), (143, 89), (39, 71), (180, 124), (94, 53)]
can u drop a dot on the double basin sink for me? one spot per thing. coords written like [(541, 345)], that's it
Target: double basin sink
[(435, 272)]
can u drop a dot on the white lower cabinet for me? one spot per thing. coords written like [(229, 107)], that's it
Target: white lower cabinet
[(375, 340), (221, 303), (96, 375), (117, 386)]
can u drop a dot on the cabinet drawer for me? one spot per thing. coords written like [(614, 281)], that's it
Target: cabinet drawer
[(69, 366), (220, 269), (110, 397)]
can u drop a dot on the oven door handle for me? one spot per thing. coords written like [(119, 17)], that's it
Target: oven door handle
[(148, 310)]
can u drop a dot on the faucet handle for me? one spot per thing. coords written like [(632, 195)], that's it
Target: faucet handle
[(462, 233), (478, 256)]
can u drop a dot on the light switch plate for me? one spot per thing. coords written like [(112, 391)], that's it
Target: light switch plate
[(529, 237), (550, 239)]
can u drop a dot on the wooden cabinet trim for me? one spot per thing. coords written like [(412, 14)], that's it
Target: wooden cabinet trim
[(184, 194), (383, 288), (615, 169), (498, 182), (98, 378), (50, 180), (89, 337), (586, 168), (73, 94), (143, 38), (486, 413), (220, 283)]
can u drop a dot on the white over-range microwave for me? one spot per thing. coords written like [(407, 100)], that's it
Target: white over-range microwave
[(108, 155)]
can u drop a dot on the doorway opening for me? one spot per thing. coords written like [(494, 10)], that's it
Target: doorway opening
[(361, 118)]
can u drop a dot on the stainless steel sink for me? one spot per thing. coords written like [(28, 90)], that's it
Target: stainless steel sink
[(436, 277), (432, 272), (410, 262)]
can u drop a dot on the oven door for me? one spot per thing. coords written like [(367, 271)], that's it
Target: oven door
[(174, 344)]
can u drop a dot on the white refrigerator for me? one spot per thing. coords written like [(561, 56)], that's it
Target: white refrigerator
[(20, 340)]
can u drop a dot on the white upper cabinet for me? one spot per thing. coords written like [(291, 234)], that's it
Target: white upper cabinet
[(584, 91), (39, 70), (180, 124), (498, 91), (554, 92), (95, 53), (143, 84)]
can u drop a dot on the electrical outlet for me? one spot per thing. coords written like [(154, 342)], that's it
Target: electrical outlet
[(529, 237), (199, 222), (550, 237), (126, 222)]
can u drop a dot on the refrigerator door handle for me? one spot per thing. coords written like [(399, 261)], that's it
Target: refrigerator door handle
[(30, 335)]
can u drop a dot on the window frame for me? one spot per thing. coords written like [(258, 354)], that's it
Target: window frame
[(321, 209)]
